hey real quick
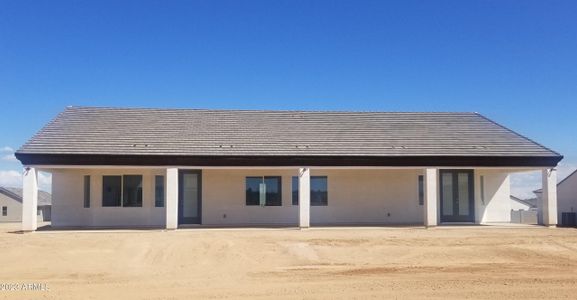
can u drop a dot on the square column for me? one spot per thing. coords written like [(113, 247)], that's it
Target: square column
[(304, 197), (171, 198), (430, 205), (549, 197), (29, 199)]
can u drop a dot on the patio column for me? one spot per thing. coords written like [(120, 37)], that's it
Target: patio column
[(171, 198), (29, 199), (430, 206), (549, 197), (304, 197)]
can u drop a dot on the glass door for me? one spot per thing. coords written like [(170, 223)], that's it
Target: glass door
[(189, 197), (457, 196)]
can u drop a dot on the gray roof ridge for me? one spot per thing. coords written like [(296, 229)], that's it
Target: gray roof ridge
[(265, 110)]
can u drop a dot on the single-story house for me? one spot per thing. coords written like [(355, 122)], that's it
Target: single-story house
[(172, 168), (566, 197), (523, 204), (11, 205)]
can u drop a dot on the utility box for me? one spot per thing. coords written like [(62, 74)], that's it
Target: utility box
[(568, 219)]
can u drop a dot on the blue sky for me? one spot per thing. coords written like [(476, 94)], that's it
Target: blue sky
[(513, 61)]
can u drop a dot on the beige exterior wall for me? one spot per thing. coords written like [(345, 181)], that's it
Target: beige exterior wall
[(355, 196), (68, 200), (14, 209)]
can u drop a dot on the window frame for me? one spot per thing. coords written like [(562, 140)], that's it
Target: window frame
[(263, 180), (122, 190), (296, 196), (4, 211)]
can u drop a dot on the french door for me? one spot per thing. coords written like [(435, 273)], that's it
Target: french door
[(457, 196)]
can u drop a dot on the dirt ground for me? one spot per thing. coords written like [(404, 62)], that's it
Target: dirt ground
[(346, 263)]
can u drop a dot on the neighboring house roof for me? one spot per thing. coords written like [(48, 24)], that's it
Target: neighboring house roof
[(532, 203), (97, 135), (539, 191), (44, 198)]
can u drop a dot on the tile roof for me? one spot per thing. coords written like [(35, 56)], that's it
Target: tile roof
[(44, 198), (532, 203), (198, 132)]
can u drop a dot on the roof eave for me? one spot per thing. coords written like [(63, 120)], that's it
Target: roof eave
[(293, 160)]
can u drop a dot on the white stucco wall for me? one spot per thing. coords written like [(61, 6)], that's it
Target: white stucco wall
[(68, 200), (371, 196), (14, 209), (495, 206), (354, 196), (361, 196)]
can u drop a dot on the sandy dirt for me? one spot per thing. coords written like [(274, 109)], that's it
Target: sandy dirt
[(336, 263)]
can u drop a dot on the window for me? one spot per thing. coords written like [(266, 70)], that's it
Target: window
[(132, 191), (87, 191), (264, 191), (253, 190), (4, 211), (122, 191), (421, 189), (295, 190), (483, 189), (319, 191), (111, 190), (159, 191)]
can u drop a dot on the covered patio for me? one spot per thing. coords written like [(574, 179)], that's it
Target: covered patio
[(189, 197)]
